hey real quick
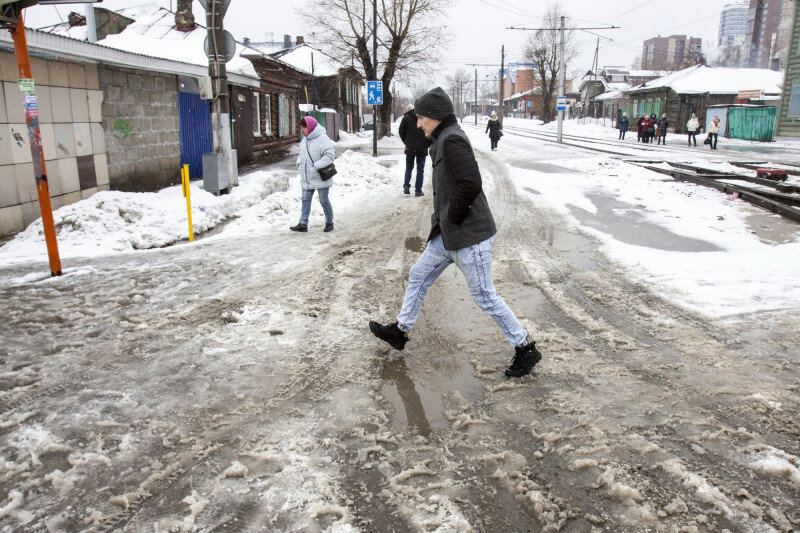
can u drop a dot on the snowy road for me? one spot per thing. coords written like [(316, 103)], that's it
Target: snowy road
[(232, 385)]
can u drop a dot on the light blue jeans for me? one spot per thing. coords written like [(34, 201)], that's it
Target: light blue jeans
[(308, 195), (475, 262)]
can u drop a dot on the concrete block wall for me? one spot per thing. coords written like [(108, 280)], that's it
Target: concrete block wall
[(70, 114), (149, 157)]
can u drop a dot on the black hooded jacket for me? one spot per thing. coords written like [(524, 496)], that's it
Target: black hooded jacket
[(413, 137), (460, 209)]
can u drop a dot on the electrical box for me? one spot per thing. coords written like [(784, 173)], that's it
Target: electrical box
[(206, 88), (215, 173)]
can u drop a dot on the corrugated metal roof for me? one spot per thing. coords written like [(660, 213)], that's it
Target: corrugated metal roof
[(69, 48)]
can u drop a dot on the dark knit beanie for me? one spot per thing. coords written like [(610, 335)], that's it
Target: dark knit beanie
[(434, 104)]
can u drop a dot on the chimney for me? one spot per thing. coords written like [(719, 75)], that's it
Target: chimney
[(287, 41), (184, 19), (300, 40), (76, 19)]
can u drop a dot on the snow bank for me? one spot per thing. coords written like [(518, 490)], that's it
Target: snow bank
[(114, 221)]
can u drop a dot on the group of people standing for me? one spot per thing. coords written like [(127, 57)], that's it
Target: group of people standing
[(649, 128)]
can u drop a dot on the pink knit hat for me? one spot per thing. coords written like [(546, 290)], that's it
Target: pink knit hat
[(309, 122)]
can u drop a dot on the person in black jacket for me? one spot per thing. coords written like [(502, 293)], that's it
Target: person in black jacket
[(495, 130), (663, 124), (462, 232), (416, 150)]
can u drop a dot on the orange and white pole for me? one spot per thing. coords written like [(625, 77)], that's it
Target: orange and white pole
[(26, 85)]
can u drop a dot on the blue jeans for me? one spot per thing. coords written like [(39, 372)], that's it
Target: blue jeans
[(475, 263), (420, 160), (308, 195)]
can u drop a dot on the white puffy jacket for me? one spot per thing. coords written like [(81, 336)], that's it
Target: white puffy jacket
[(319, 146)]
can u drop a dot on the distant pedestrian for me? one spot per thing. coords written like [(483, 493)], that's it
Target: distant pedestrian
[(641, 127), (692, 126), (663, 124), (494, 129), (713, 131), (316, 152), (652, 124), (462, 232), (416, 151), (622, 124)]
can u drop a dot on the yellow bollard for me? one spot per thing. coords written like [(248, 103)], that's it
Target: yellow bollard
[(187, 193)]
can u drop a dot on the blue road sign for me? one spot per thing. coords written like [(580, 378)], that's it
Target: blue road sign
[(561, 103), (374, 93)]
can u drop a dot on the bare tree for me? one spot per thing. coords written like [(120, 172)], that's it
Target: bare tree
[(410, 35), (636, 64), (458, 85), (541, 49)]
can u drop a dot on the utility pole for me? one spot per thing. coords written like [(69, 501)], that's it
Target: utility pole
[(375, 66), (220, 110), (313, 84), (595, 66), (476, 97), (26, 85), (502, 81), (562, 67), (562, 61)]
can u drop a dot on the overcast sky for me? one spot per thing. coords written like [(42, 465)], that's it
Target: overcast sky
[(479, 26)]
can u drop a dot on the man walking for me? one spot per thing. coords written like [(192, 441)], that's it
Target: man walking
[(462, 232), (416, 151)]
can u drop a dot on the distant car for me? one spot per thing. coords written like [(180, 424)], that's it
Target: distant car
[(368, 126)]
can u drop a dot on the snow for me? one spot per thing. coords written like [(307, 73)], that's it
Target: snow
[(153, 34), (729, 272), (111, 222), (114, 221), (310, 60), (718, 80), (250, 396)]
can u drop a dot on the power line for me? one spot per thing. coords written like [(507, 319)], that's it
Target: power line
[(556, 29), (631, 10), (672, 28)]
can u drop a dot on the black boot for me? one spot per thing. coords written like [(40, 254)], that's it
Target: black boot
[(419, 193), (390, 333), (406, 190), (299, 227), (328, 227), (525, 359)]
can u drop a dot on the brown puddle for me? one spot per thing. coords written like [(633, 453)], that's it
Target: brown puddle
[(410, 403), (415, 244)]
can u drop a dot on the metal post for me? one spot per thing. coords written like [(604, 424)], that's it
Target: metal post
[(220, 111), (91, 25), (502, 82), (35, 140), (562, 67), (375, 67), (476, 97)]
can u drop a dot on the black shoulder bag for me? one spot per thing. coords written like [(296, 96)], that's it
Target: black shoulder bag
[(325, 173)]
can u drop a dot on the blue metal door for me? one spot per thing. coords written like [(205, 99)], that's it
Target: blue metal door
[(195, 131)]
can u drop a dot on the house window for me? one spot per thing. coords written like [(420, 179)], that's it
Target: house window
[(794, 102), (268, 114), (283, 115), (256, 114)]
